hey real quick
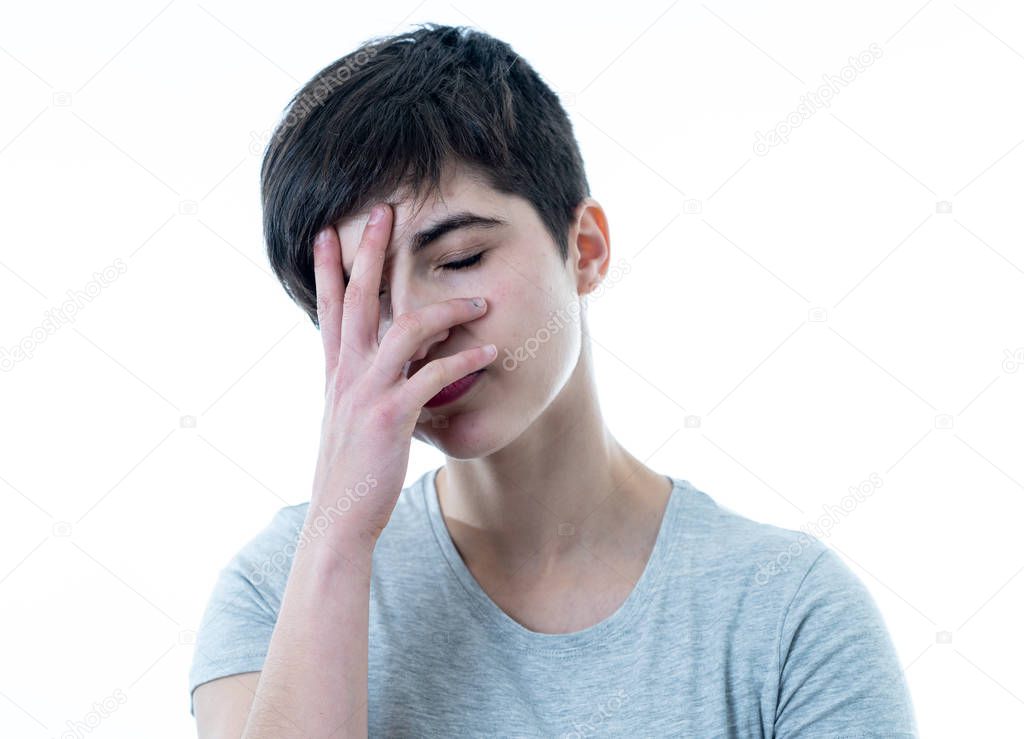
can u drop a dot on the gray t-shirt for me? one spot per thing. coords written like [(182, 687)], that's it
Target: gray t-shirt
[(735, 629)]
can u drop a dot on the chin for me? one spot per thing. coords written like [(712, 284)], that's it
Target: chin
[(461, 436)]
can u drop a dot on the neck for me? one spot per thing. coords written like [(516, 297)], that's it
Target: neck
[(565, 481)]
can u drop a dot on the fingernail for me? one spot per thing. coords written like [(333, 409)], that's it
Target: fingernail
[(321, 237), (376, 214), (478, 302)]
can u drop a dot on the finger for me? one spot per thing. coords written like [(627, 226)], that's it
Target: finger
[(434, 376), (330, 293), (362, 302), (408, 333)]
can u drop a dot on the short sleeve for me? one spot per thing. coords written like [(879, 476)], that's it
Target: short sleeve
[(839, 671), (238, 621)]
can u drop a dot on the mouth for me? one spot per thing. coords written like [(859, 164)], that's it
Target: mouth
[(455, 390)]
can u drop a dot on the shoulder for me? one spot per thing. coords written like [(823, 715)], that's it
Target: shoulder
[(746, 574), (833, 664), (266, 558), (788, 569), (740, 548), (255, 574)]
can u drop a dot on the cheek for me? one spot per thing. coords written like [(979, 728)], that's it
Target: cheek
[(524, 304), (501, 294), (530, 324)]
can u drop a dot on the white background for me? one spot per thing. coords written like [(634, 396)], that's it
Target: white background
[(812, 306)]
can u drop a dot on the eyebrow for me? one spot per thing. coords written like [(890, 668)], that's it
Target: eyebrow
[(422, 239)]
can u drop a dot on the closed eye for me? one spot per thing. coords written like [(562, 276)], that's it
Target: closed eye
[(461, 264), (464, 263)]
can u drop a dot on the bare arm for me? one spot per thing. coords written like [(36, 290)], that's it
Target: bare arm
[(314, 679), (222, 705)]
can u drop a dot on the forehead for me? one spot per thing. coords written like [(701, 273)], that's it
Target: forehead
[(460, 190)]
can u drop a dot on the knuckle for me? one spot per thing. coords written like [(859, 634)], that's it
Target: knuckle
[(434, 372), (320, 259), (353, 294), (325, 305), (387, 413), (409, 323)]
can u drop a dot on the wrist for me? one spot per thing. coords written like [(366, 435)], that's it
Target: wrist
[(336, 536), (330, 556)]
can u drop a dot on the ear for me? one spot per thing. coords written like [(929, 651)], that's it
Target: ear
[(590, 245)]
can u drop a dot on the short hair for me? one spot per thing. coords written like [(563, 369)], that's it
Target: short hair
[(394, 114)]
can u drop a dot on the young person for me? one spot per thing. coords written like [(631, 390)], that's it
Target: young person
[(543, 581)]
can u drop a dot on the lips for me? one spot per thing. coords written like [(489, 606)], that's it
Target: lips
[(455, 390)]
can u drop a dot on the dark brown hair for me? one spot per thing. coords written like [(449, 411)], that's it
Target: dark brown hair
[(393, 114)]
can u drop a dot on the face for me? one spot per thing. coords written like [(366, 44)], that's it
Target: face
[(533, 303)]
